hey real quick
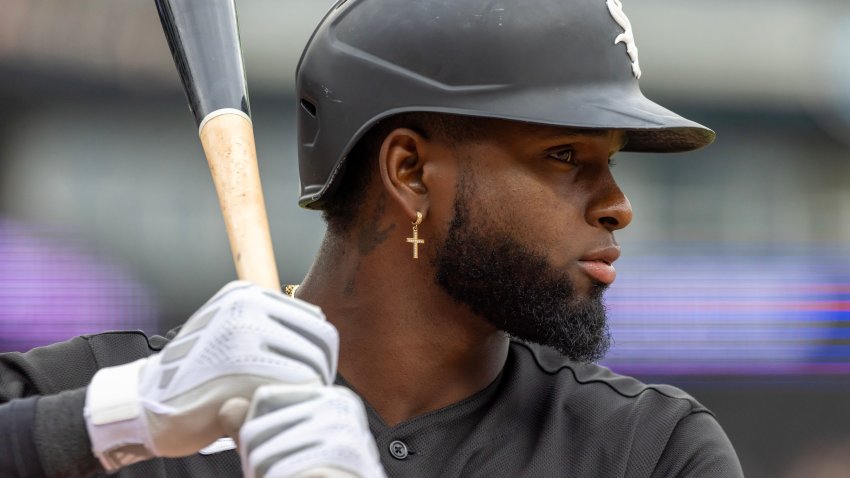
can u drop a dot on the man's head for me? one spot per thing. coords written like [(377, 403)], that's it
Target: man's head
[(497, 122), (519, 218)]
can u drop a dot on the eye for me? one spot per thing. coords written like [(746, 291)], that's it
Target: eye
[(564, 156)]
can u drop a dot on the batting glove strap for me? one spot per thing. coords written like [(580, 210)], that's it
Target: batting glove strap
[(115, 419)]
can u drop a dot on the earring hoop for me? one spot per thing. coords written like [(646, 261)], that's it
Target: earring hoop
[(418, 218)]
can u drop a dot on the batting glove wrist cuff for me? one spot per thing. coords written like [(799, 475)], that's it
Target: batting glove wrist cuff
[(115, 419)]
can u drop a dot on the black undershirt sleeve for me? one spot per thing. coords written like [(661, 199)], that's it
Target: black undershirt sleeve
[(42, 430), (46, 436), (698, 448), (61, 438), (18, 455)]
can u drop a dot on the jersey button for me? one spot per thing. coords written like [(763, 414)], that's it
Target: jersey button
[(398, 450)]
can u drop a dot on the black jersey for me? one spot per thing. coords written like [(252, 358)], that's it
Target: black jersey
[(544, 416)]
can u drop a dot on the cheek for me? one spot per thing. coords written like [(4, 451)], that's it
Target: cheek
[(536, 209), (441, 178), (504, 186), (506, 198), (543, 213), (441, 194)]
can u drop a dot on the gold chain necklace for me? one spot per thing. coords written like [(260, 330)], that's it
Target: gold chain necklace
[(290, 289)]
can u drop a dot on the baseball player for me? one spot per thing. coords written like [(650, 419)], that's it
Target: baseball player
[(460, 153)]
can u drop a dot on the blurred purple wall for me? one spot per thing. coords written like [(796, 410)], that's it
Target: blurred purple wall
[(52, 289)]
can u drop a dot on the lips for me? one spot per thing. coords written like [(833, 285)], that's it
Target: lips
[(598, 264)]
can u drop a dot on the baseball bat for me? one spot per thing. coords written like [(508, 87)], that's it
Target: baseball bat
[(203, 36)]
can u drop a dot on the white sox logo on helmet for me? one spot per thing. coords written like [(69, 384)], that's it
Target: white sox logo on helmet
[(628, 36)]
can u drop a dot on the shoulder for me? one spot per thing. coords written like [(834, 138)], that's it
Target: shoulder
[(591, 413), (592, 380), (698, 448)]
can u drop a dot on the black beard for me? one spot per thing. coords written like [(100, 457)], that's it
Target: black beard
[(516, 289)]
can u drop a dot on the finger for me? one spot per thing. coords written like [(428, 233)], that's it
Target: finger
[(232, 415), (336, 453), (301, 429), (324, 472), (305, 320), (205, 314), (230, 288), (276, 408), (302, 317), (322, 335), (291, 345), (299, 423)]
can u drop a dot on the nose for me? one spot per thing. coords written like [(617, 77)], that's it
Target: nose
[(612, 210)]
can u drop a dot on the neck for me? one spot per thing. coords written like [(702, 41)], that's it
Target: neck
[(405, 346)]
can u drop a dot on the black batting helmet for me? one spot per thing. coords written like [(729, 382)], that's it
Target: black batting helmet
[(568, 63)]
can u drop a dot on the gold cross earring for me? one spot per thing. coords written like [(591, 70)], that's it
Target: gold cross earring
[(415, 239)]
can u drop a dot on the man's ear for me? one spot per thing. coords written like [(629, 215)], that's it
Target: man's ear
[(402, 157)]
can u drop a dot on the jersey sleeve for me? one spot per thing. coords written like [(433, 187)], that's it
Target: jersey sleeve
[(18, 454), (42, 436), (46, 370), (698, 448), (42, 395)]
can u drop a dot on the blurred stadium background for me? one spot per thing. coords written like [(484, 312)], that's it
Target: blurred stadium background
[(735, 279)]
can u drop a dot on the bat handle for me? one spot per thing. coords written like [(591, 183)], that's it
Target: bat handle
[(227, 136), (228, 140)]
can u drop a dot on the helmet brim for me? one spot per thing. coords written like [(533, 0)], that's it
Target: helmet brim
[(650, 127)]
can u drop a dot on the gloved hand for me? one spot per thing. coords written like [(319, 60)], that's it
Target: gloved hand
[(306, 432), (169, 404)]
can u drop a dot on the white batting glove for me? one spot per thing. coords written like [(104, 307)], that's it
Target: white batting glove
[(170, 404), (308, 432)]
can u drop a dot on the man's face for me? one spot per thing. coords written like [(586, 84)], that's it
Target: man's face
[(530, 241)]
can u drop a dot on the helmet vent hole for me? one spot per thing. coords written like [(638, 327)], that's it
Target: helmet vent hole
[(309, 107)]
